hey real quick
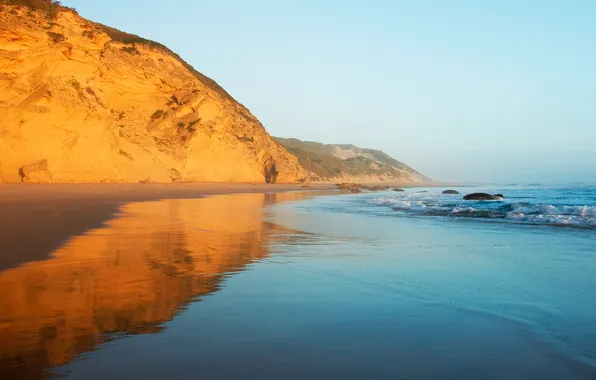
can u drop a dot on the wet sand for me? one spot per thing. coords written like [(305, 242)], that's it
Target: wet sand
[(130, 276), (37, 219), (294, 285)]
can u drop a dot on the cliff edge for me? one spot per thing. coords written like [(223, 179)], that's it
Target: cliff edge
[(83, 102)]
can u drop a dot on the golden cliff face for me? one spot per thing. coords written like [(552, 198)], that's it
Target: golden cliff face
[(128, 277), (77, 105)]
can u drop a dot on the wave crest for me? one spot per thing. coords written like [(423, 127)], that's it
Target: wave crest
[(583, 216)]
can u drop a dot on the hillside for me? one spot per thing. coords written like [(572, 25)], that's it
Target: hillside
[(349, 163), (83, 102)]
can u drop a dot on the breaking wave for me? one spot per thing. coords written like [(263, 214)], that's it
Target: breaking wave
[(582, 216)]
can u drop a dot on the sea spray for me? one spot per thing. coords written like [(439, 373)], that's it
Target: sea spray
[(541, 206)]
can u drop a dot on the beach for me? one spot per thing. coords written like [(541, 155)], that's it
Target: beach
[(297, 190), (54, 212), (291, 285)]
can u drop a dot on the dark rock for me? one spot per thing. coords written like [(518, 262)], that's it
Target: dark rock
[(270, 171), (375, 188), (347, 185), (420, 192), (37, 172), (483, 197), (450, 192), (175, 175), (398, 189), (355, 190)]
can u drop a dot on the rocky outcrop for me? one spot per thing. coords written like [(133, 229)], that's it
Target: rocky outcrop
[(36, 172), (451, 192), (349, 185), (358, 187), (82, 102), (483, 197)]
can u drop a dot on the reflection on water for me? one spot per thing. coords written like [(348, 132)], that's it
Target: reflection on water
[(127, 278)]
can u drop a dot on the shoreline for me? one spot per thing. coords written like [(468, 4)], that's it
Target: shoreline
[(325, 264), (36, 219)]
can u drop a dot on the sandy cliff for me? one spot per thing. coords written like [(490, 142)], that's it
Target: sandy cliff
[(81, 102)]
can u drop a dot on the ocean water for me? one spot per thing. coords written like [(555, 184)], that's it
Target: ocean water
[(377, 285), (572, 206)]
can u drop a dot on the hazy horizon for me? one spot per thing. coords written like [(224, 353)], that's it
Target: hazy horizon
[(466, 91)]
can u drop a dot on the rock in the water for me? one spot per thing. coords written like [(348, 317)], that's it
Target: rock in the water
[(483, 197), (421, 192), (348, 185), (398, 189), (450, 192)]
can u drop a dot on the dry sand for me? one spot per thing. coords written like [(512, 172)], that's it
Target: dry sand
[(36, 219)]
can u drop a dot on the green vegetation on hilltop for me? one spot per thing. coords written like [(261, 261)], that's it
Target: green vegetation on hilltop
[(51, 7), (331, 161)]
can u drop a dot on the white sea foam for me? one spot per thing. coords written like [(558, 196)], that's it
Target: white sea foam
[(553, 219), (400, 203), (521, 212), (410, 205), (461, 210), (547, 209)]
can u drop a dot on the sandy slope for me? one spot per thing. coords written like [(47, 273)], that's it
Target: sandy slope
[(78, 106)]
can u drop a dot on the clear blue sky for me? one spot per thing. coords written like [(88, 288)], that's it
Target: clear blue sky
[(460, 90)]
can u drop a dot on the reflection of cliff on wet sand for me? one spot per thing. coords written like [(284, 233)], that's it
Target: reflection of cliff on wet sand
[(129, 277)]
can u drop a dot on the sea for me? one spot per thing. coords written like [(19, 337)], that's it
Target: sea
[(565, 206), (377, 285)]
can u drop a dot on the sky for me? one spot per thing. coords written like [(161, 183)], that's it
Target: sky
[(482, 91)]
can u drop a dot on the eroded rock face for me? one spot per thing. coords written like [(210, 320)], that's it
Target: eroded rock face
[(36, 172), (483, 197), (94, 109)]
